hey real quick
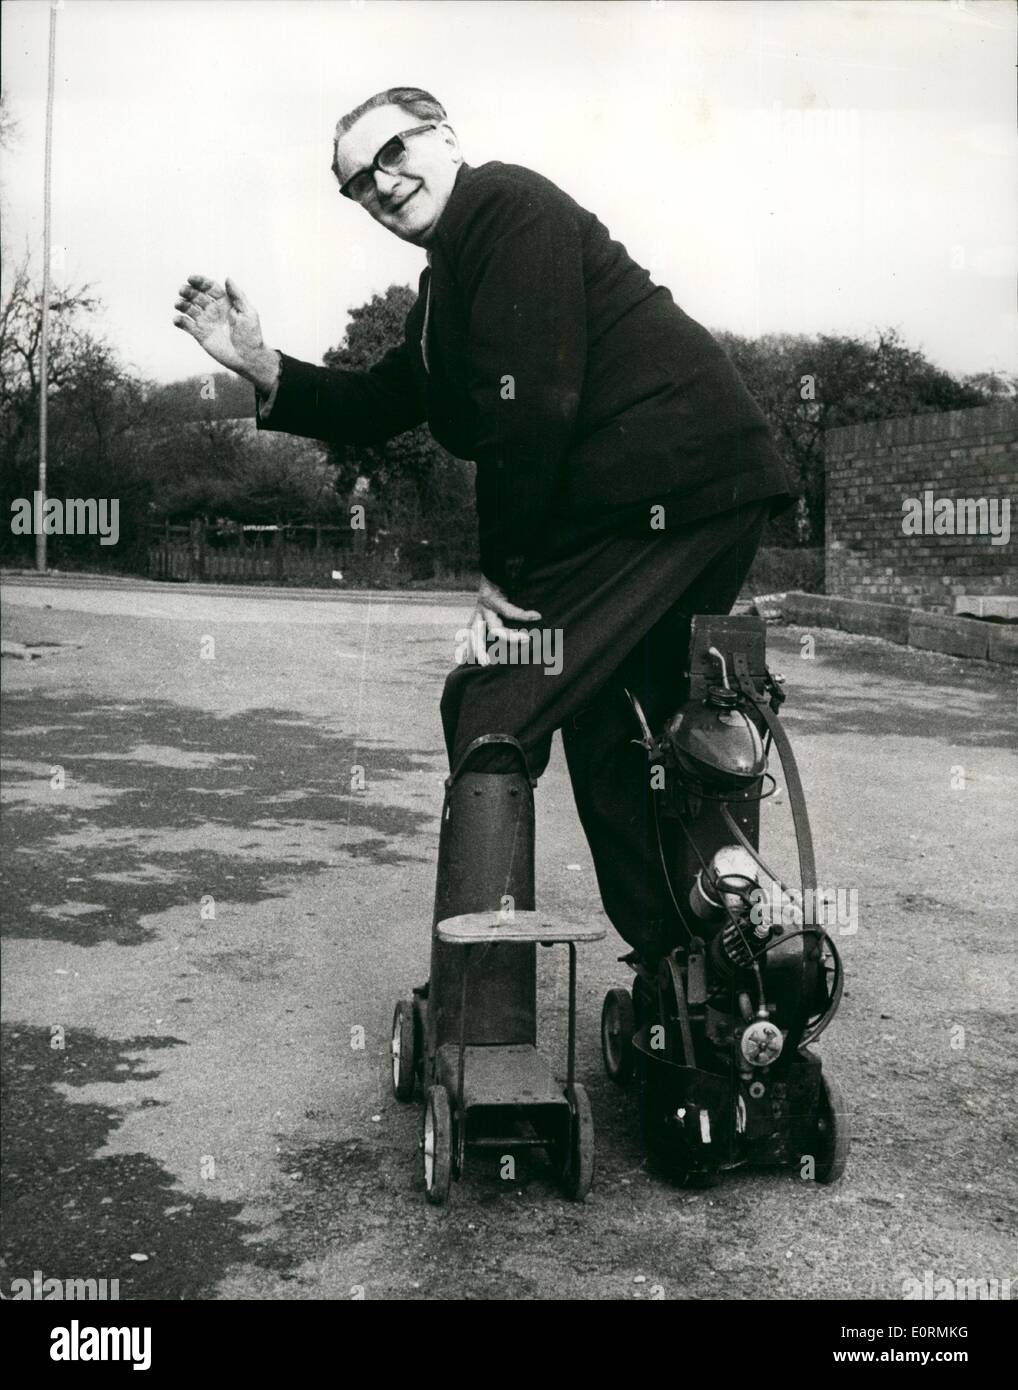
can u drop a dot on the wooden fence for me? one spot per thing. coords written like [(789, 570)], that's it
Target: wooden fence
[(245, 555), (306, 554)]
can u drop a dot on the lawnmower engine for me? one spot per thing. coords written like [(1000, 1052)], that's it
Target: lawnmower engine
[(718, 1030)]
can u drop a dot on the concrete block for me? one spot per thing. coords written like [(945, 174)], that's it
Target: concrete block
[(987, 606), (887, 620), (932, 632), (1003, 643), (952, 636), (808, 610)]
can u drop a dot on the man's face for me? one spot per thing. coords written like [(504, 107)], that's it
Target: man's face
[(409, 202)]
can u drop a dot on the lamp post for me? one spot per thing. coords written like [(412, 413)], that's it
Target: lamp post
[(40, 535)]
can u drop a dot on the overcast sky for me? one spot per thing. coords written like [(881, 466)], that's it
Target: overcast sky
[(810, 167)]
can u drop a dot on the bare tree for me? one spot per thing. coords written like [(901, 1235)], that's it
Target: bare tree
[(71, 344)]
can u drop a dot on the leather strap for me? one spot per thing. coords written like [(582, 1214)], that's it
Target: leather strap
[(686, 1031), (796, 796), (505, 739)]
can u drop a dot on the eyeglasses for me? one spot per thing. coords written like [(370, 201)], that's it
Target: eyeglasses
[(389, 159)]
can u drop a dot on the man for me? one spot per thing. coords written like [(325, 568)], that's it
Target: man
[(624, 474)]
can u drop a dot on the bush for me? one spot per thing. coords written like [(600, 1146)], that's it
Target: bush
[(776, 570)]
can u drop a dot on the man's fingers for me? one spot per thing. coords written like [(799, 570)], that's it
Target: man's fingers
[(498, 628), (187, 324), (509, 610), (486, 626), (238, 298), (476, 640), (491, 596), (494, 599), (491, 620), (202, 282)]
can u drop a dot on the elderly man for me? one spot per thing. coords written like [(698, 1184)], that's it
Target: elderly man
[(624, 474)]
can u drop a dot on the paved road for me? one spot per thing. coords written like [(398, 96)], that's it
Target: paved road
[(209, 1128)]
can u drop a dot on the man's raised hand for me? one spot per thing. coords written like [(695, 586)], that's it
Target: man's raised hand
[(225, 323)]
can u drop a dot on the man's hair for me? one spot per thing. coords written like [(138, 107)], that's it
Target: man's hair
[(414, 100)]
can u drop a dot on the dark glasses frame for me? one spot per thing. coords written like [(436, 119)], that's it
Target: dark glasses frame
[(381, 162)]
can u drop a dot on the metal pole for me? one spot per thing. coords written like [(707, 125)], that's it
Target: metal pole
[(40, 535)]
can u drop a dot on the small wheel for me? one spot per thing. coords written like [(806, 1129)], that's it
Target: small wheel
[(618, 1024), (437, 1145), (578, 1168), (404, 1060), (833, 1131)]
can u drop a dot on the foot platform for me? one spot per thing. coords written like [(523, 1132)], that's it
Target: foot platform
[(482, 928)]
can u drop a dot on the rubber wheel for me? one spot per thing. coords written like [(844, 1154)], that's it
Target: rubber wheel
[(404, 1061), (437, 1145), (578, 1167), (618, 1024), (833, 1131)]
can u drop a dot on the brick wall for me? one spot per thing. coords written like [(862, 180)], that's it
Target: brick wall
[(872, 469)]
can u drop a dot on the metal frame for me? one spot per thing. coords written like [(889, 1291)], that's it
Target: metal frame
[(473, 929)]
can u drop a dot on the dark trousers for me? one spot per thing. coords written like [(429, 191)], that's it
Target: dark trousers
[(622, 607)]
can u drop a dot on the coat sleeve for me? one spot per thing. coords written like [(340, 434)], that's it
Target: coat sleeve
[(518, 260), (346, 407)]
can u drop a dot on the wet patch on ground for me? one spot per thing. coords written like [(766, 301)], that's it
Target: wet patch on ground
[(156, 798), (71, 1212)]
